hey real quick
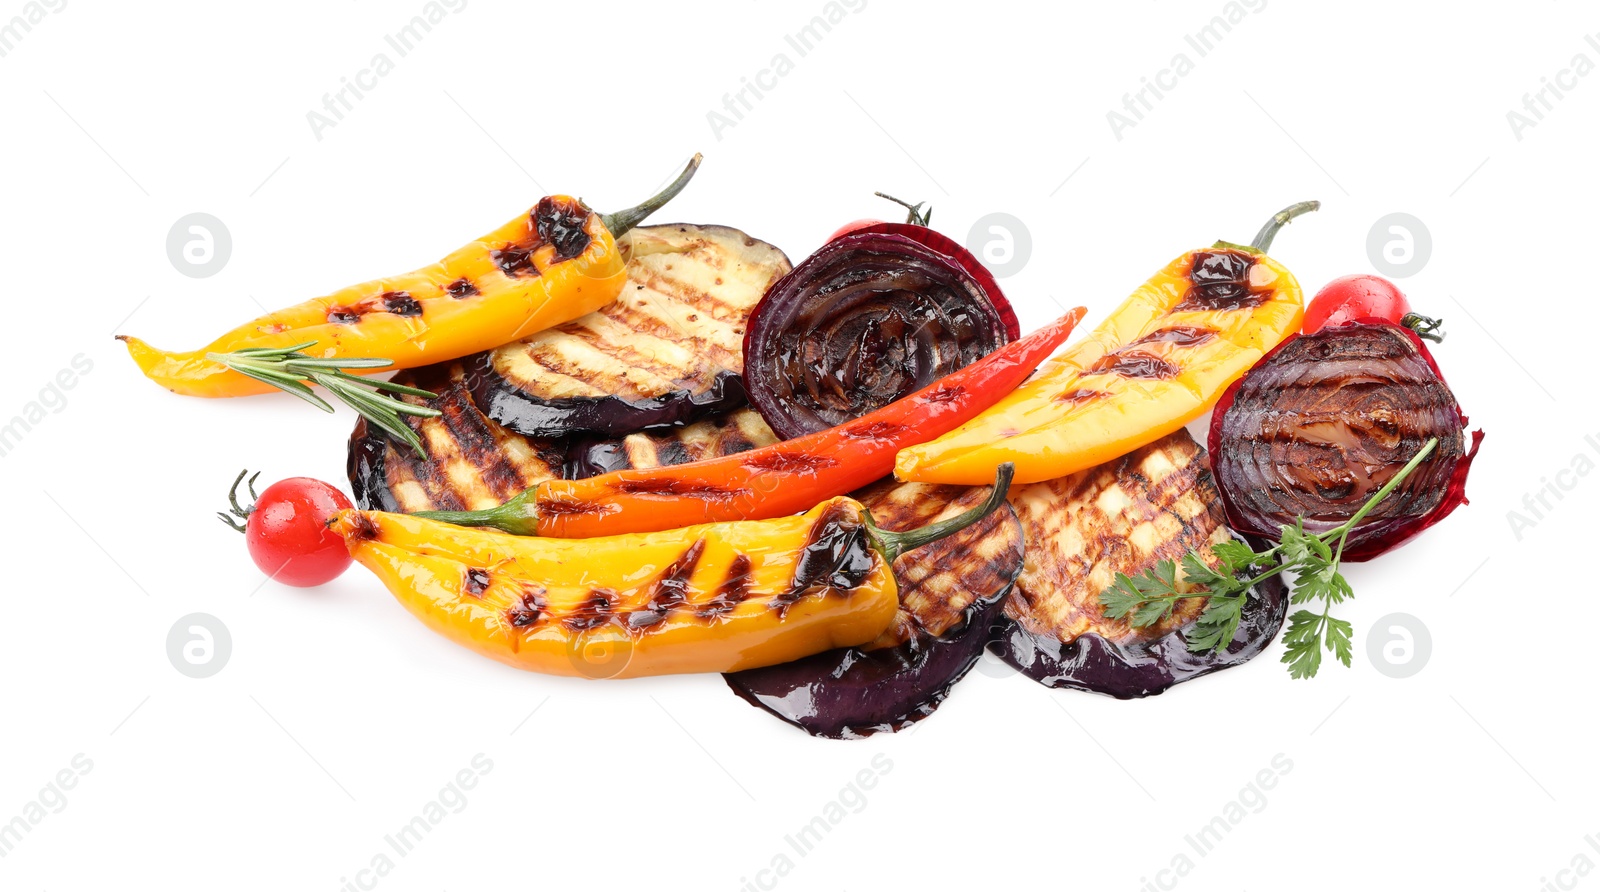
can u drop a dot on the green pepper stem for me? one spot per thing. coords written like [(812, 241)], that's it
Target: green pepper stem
[(892, 544), (1264, 238), (620, 222), (518, 515)]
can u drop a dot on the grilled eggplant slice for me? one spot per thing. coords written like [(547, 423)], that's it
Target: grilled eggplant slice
[(472, 462), (724, 434), (950, 594), (668, 351), (475, 463), (1158, 502)]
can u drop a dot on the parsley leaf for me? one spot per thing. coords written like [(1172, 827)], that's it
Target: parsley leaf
[(1313, 559)]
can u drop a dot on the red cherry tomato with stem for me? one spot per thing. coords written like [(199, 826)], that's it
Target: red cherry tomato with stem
[(286, 529), (1352, 298), (915, 215)]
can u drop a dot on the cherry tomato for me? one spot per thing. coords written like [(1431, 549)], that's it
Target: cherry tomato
[(288, 536), (1349, 298), (852, 226)]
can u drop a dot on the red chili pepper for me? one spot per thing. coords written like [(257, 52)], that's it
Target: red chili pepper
[(773, 481)]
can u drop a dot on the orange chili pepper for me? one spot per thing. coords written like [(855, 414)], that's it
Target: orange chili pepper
[(775, 480), (715, 597), (549, 266)]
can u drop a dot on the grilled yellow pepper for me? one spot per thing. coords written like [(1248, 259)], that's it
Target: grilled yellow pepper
[(1160, 361), (716, 597), (552, 265)]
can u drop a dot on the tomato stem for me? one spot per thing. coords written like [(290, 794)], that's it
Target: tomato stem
[(1425, 326), (892, 544), (233, 501), (915, 215), (1269, 231)]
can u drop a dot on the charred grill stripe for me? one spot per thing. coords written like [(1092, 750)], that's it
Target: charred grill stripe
[(733, 591), (672, 486), (1079, 396), (597, 610), (671, 588), (563, 507), (1133, 365), (515, 259), (1178, 336), (475, 581), (461, 289), (785, 462), (400, 303), (475, 443)]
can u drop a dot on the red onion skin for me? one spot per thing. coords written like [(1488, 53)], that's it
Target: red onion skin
[(1385, 535)]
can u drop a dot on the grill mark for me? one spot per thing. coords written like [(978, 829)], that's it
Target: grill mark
[(475, 442), (733, 591), (790, 462), (344, 315), (461, 289), (672, 486), (515, 260), (475, 582), (400, 303), (873, 430), (1133, 365), (561, 223), (1079, 396), (364, 529), (527, 609), (600, 608), (836, 555), (1178, 336), (573, 508), (671, 588), (1220, 280), (945, 394)]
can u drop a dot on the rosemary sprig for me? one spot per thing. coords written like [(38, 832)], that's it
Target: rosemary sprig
[(1313, 558), (288, 369)]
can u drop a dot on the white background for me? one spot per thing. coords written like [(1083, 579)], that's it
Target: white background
[(338, 717)]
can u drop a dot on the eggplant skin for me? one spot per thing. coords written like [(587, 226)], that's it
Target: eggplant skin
[(475, 463), (1158, 502), (951, 593), (668, 350)]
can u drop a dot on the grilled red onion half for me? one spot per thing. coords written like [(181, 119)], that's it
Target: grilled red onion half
[(870, 317), (1324, 421), (950, 596)]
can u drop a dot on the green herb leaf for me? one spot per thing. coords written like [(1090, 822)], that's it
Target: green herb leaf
[(289, 370), (1313, 559)]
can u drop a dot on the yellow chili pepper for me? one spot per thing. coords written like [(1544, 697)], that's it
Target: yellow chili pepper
[(716, 597), (554, 264), (1160, 361)]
